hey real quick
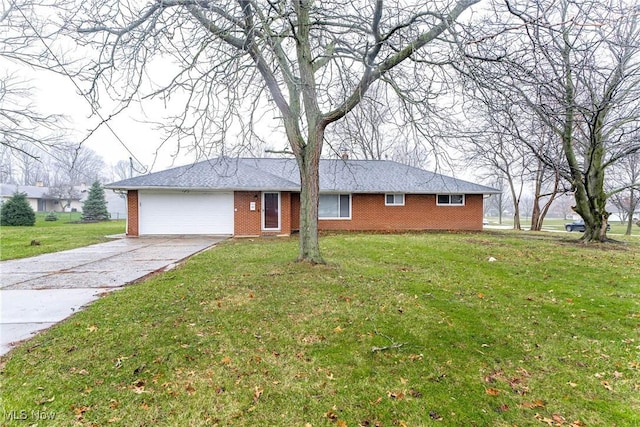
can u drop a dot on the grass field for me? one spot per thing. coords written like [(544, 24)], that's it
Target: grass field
[(54, 236), (556, 224), (398, 330)]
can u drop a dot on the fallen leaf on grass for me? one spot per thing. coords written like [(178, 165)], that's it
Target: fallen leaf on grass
[(435, 416), (92, 328), (503, 408), (535, 404), (395, 395), (138, 387), (559, 419), (257, 392), (414, 393), (367, 423), (45, 400), (492, 391), (331, 415), (79, 411), (190, 389), (606, 385), (138, 390), (555, 420)]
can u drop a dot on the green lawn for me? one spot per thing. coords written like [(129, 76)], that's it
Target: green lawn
[(398, 330), (54, 236), (618, 229)]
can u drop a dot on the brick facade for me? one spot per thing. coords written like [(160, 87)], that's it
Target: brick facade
[(132, 213), (368, 213), (420, 212), (248, 222)]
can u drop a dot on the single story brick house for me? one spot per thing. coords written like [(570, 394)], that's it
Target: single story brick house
[(261, 196)]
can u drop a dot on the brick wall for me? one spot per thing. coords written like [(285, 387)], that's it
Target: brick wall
[(419, 212), (368, 212), (249, 223), (132, 213)]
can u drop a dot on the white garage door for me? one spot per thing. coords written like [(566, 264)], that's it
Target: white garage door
[(177, 212)]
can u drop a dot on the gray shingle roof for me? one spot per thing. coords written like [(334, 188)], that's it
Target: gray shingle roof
[(272, 174), (32, 191)]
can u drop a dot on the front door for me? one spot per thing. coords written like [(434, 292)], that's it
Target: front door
[(271, 211)]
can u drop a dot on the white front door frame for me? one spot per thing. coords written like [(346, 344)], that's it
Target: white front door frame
[(269, 211)]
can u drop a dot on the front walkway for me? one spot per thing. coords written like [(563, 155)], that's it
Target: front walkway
[(38, 292)]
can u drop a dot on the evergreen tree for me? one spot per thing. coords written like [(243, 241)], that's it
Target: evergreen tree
[(95, 207), (17, 211)]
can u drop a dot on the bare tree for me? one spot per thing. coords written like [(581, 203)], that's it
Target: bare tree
[(29, 166), (575, 65), (496, 203), (363, 132), (22, 128), (489, 144), (624, 188), (548, 182), (73, 167), (311, 62), (6, 165)]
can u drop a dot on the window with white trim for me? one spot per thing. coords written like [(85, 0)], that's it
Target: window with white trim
[(334, 206), (450, 199), (394, 199)]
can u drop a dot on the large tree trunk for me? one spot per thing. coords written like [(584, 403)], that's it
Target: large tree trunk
[(309, 163)]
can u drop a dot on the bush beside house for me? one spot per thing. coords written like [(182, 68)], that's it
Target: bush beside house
[(16, 211)]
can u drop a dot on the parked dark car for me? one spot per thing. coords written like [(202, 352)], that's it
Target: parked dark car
[(579, 226)]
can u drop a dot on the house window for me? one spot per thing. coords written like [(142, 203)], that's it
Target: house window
[(450, 200), (395, 199), (334, 206)]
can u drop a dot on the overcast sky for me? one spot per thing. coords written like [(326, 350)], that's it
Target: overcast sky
[(56, 94)]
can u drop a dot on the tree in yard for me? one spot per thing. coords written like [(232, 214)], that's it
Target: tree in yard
[(496, 203), (72, 166), (309, 62), (488, 145), (624, 189), (576, 67), (17, 211), (95, 207)]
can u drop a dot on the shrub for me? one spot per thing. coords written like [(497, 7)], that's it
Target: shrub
[(16, 211), (51, 216)]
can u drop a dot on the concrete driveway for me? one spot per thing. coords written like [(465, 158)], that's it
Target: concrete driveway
[(38, 292)]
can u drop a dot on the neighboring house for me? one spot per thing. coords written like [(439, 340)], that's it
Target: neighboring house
[(261, 196), (42, 199), (39, 198)]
